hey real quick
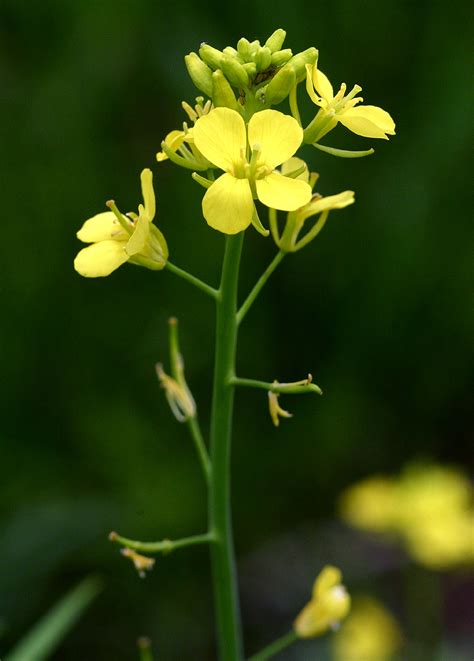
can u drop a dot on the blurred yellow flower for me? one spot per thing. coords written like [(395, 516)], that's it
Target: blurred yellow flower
[(367, 121), (370, 633), (371, 504), (116, 238), (248, 164), (429, 508), (329, 604)]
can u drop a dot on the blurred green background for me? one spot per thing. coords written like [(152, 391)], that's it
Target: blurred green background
[(377, 309)]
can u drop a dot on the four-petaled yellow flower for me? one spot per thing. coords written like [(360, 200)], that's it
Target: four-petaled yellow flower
[(330, 603), (117, 238), (368, 121), (248, 164)]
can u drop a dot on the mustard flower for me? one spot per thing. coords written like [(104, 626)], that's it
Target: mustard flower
[(116, 238), (370, 633), (249, 165), (329, 604), (367, 121)]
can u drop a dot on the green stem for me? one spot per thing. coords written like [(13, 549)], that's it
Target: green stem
[(279, 645), (259, 285), (196, 435), (222, 551), (207, 289), (288, 388), (163, 546)]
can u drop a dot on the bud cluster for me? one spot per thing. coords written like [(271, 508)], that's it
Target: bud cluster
[(262, 75)]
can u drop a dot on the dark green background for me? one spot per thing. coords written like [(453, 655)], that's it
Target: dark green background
[(377, 309)]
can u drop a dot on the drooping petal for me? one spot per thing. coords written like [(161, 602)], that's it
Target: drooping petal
[(174, 140), (138, 239), (292, 165), (101, 227), (338, 201), (322, 85), (277, 135), (100, 259), (220, 136), (368, 121), (327, 579), (148, 193), (228, 204), (279, 192), (310, 86)]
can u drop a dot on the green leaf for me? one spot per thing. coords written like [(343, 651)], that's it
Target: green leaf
[(343, 153), (50, 630)]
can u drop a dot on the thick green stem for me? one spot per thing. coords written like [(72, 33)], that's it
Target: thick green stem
[(258, 287), (277, 646), (222, 551)]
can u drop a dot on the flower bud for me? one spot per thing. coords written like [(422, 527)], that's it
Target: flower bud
[(211, 56), (243, 49), (222, 93), (251, 69), (233, 53), (299, 61), (234, 71), (275, 41), (263, 58), (280, 85), (199, 73), (281, 57)]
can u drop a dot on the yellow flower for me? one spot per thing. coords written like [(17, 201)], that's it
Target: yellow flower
[(117, 238), (371, 504), (368, 121), (141, 562), (248, 165), (330, 603), (370, 633), (317, 206), (179, 145)]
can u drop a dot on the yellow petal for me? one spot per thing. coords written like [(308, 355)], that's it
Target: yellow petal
[(228, 204), (368, 121), (148, 193), (277, 135), (310, 85), (294, 163), (338, 201), (101, 227), (220, 137), (100, 259), (279, 192), (327, 579), (174, 140), (138, 239), (322, 85)]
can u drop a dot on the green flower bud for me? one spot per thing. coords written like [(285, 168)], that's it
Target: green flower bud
[(199, 73), (234, 71), (300, 60), (263, 58), (222, 93), (233, 53), (281, 57), (275, 41), (211, 56), (251, 69), (280, 85), (243, 48)]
